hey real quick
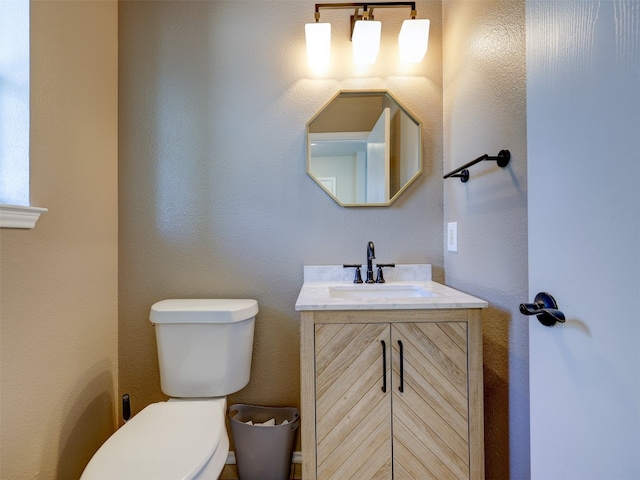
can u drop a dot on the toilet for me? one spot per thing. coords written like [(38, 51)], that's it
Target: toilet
[(204, 353)]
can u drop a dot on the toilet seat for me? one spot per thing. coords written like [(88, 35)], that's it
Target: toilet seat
[(166, 440)]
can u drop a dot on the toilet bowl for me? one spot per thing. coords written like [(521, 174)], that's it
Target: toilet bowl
[(204, 352)]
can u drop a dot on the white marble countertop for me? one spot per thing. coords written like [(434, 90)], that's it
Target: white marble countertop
[(315, 292)]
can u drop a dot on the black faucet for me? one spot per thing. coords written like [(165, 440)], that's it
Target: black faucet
[(371, 254)]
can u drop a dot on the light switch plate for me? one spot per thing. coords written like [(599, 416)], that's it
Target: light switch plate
[(452, 236)]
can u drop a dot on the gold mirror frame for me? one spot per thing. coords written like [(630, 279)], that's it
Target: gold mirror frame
[(364, 148)]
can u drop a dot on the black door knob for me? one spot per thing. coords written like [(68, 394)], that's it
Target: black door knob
[(544, 307)]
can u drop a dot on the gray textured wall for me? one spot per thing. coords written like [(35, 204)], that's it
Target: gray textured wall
[(214, 199), (484, 112)]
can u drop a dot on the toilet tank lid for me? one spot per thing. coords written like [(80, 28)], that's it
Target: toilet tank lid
[(203, 310), (166, 440)]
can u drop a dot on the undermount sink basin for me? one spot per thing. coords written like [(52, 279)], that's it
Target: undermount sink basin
[(378, 291)]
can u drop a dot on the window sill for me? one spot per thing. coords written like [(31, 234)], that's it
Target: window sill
[(16, 216)]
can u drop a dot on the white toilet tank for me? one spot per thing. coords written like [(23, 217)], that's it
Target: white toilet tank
[(204, 345)]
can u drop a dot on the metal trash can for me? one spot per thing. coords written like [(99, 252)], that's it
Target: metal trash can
[(263, 452)]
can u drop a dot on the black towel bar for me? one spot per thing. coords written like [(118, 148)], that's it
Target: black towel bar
[(503, 160)]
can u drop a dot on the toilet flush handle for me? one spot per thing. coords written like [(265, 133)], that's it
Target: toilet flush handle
[(126, 408)]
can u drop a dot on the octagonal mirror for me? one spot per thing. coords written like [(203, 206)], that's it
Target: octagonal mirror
[(364, 148)]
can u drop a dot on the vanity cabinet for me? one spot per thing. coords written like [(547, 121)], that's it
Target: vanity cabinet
[(392, 394)]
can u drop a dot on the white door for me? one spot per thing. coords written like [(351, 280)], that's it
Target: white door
[(583, 131), (378, 168)]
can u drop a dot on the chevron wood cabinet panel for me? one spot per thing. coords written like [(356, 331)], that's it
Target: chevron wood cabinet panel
[(392, 394)]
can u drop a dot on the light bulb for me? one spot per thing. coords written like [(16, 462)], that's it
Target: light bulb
[(413, 40), (366, 41), (318, 37)]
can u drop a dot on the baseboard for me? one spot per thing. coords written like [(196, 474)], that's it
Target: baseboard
[(231, 458)]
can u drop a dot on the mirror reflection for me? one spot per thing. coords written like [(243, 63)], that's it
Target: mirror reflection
[(364, 148)]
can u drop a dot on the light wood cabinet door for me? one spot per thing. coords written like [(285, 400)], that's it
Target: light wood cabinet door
[(430, 401), (353, 421)]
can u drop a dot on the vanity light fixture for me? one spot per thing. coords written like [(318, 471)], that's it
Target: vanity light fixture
[(413, 40), (318, 37), (365, 34), (365, 40)]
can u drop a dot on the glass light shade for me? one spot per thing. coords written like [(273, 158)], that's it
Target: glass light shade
[(318, 37), (366, 41), (413, 40)]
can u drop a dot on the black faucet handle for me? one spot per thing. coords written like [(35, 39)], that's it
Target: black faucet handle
[(358, 277), (380, 278)]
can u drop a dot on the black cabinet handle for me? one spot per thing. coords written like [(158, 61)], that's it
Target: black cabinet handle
[(384, 366), (401, 387)]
